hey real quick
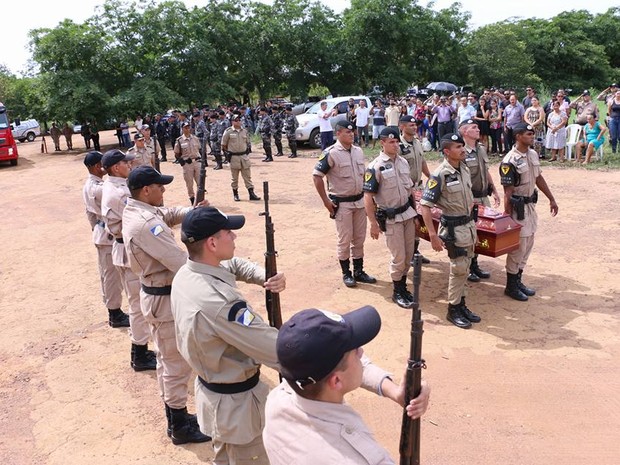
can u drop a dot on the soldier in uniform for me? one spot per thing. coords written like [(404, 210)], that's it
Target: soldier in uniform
[(155, 256), (113, 200), (343, 166), (520, 175), (222, 338), (201, 131), (55, 132), (278, 123), (389, 203), (111, 287), (174, 129), (67, 131), (187, 152), (322, 359), (449, 188), (215, 137), (151, 145), (266, 128), (140, 154), (411, 150), (477, 160), (222, 124), (161, 133), (290, 126), (236, 146)]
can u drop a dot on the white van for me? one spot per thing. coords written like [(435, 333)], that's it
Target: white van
[(26, 130)]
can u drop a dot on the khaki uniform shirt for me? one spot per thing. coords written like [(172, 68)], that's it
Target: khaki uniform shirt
[(307, 432), (91, 193), (187, 147), (113, 200), (224, 341), (413, 153), (527, 166), (143, 156), (391, 183), (152, 146), (450, 189), (344, 170), (477, 160), (235, 141)]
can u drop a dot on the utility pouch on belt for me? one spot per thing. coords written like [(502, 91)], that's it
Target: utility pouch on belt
[(474, 213), (227, 156), (181, 162), (534, 197), (336, 207), (453, 250), (518, 205), (381, 216)]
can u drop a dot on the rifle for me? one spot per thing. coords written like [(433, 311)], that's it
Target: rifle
[(272, 299), (410, 431), (200, 192), (155, 156)]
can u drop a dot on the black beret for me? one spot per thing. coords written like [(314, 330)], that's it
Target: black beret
[(389, 133), (521, 128), (407, 119)]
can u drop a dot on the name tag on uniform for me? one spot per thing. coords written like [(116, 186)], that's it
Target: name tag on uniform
[(520, 161), (470, 158), (453, 183)]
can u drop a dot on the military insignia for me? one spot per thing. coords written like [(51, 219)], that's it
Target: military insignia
[(431, 183), (323, 155), (454, 137), (246, 317), (157, 230), (505, 169), (367, 176), (241, 313)]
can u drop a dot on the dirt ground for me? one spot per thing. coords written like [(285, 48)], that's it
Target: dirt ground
[(533, 383)]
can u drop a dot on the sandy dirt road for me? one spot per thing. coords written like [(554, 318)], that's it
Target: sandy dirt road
[(534, 383)]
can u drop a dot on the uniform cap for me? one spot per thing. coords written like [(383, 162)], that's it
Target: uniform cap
[(312, 343), (288, 107), (407, 119), (112, 157), (145, 127), (614, 85), (344, 124), (236, 118), (451, 137), (586, 92), (389, 133), (145, 175), (221, 112), (92, 158), (466, 122), (521, 128), (203, 222), (186, 124), (138, 136)]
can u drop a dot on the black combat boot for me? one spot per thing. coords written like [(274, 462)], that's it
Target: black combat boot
[(457, 317), (142, 359), (475, 272), (280, 152), (236, 195), (218, 163), (512, 287), (425, 261), (117, 318), (528, 291), (293, 147), (471, 316), (183, 429), (268, 155), (253, 196), (359, 274), (399, 296), (403, 283), (347, 277), (191, 200)]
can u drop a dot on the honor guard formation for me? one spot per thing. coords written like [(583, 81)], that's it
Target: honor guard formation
[(186, 302)]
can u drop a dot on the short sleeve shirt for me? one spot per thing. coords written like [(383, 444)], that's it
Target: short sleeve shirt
[(344, 170)]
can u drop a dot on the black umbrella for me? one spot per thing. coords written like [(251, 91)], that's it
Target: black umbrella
[(442, 87)]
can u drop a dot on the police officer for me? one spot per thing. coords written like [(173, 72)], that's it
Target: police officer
[(236, 145), (290, 126), (449, 188), (266, 128), (187, 152), (521, 176), (174, 129), (278, 123), (222, 338), (216, 148), (155, 257), (55, 132), (161, 132), (141, 155), (411, 150), (222, 124), (200, 130), (342, 165), (111, 286), (477, 160), (113, 200), (389, 203), (151, 145)]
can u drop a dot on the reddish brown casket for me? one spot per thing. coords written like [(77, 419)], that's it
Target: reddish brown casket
[(498, 233)]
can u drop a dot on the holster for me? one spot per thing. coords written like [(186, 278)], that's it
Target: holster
[(381, 217), (518, 205), (337, 206), (449, 241), (181, 162), (227, 156)]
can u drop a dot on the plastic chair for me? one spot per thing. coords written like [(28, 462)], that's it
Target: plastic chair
[(599, 152), (573, 133)]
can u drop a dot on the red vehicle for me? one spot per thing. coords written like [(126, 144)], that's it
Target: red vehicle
[(8, 148)]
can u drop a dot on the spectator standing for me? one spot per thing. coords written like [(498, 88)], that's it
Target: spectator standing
[(138, 123), (585, 107), (378, 120), (608, 94), (513, 115), (392, 114), (444, 114), (482, 120), (361, 122), (613, 112), (556, 132), (527, 100), (125, 132), (325, 126), (495, 127), (465, 111), (535, 116)]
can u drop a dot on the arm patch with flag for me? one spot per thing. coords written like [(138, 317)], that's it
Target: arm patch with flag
[(508, 174), (432, 190), (323, 164), (370, 181), (241, 313)]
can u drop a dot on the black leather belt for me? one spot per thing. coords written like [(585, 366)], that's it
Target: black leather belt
[(232, 388), (119, 240), (532, 199), (164, 290), (391, 213), (237, 153), (350, 198), (478, 194), (453, 221)]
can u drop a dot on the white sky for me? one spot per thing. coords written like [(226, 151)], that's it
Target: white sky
[(17, 21)]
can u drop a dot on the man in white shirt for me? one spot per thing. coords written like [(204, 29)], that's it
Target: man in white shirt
[(361, 122), (465, 111), (325, 126)]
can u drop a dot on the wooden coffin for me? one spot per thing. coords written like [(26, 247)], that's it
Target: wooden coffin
[(498, 233)]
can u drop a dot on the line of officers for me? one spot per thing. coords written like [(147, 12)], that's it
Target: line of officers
[(383, 194)]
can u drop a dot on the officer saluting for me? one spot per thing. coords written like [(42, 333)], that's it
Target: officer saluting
[(449, 188)]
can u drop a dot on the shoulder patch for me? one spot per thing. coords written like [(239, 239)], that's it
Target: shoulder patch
[(323, 164), (432, 190), (157, 230), (370, 181), (241, 313), (508, 174)]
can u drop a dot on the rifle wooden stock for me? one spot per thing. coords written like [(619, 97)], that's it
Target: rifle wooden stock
[(200, 191), (272, 299), (410, 431), (155, 156)]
